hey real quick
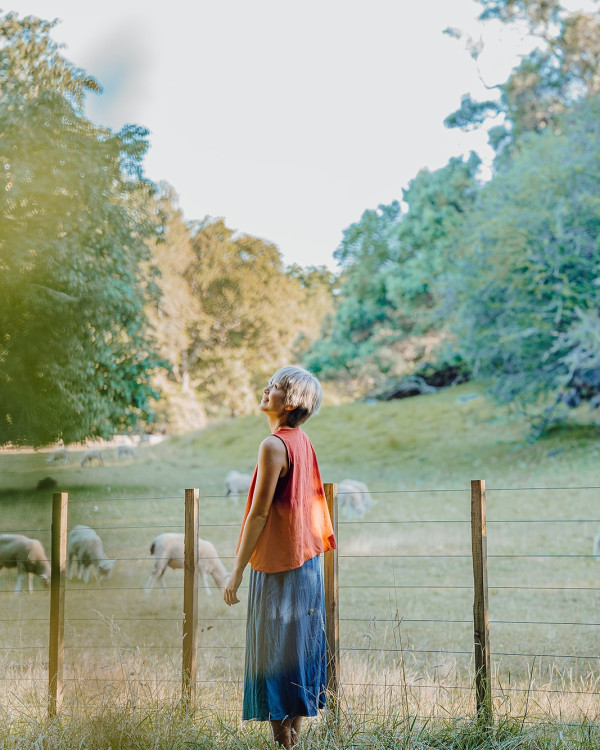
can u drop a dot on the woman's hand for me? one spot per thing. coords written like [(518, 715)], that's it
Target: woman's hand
[(231, 586)]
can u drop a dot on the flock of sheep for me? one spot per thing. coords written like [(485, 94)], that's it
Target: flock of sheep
[(354, 498), (85, 551), (85, 554), (62, 456)]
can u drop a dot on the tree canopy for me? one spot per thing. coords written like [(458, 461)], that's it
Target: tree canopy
[(250, 315), (562, 69), (75, 360), (500, 277), (105, 285), (391, 303), (528, 286), (227, 314), (31, 63)]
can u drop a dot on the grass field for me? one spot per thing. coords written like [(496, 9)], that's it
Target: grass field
[(405, 577)]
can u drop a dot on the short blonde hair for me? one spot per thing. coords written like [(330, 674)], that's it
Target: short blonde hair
[(302, 390)]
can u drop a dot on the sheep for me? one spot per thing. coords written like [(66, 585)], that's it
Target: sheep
[(91, 456), (597, 546), (59, 456), (354, 498), (125, 451), (84, 548), (237, 483), (168, 551), (27, 556)]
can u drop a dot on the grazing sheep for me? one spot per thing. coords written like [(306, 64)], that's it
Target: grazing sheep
[(125, 451), (27, 556), (92, 456), (597, 546), (237, 483), (84, 548), (354, 498), (60, 456), (168, 551)]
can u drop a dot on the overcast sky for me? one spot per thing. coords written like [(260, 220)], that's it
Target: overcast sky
[(287, 119)]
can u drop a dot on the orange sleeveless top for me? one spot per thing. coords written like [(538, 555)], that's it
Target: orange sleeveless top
[(298, 526)]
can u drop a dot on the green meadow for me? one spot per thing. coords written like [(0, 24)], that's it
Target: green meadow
[(406, 632)]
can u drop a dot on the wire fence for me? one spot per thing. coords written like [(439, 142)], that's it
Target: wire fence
[(405, 604)]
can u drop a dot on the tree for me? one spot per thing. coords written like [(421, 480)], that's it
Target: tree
[(172, 313), (429, 241), (391, 306), (174, 310), (30, 63), (562, 69), (317, 289), (249, 316), (347, 349), (527, 292), (75, 360)]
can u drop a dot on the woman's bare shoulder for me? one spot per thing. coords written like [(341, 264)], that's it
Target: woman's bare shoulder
[(272, 446)]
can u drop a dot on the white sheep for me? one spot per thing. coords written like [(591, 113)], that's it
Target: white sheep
[(91, 456), (237, 483), (27, 556), (354, 498), (84, 550), (168, 552), (125, 451), (61, 455), (597, 546)]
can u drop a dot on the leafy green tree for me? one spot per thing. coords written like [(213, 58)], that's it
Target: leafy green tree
[(317, 288), (228, 313), (429, 242), (528, 290), (31, 62), (75, 360), (249, 317), (174, 310), (539, 14), (394, 261), (563, 68), (172, 313), (348, 349)]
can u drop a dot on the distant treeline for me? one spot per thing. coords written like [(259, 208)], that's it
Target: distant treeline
[(498, 279), (118, 314)]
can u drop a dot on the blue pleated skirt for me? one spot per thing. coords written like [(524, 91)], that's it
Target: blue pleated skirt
[(286, 655)]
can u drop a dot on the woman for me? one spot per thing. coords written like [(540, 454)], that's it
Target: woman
[(286, 526)]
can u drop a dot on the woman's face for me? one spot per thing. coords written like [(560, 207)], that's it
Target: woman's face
[(273, 400)]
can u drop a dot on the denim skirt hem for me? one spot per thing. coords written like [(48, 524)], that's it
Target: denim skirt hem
[(286, 656)]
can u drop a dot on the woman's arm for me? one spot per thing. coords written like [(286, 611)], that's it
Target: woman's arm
[(272, 463)]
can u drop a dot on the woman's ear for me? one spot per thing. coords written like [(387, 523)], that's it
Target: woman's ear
[(290, 408)]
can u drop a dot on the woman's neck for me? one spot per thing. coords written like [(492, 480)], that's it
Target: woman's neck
[(278, 424)]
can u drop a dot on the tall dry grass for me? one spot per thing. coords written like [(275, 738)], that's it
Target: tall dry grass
[(123, 709), (405, 587)]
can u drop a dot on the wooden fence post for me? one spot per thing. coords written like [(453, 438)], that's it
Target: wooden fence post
[(481, 613), (332, 612), (190, 600), (58, 562)]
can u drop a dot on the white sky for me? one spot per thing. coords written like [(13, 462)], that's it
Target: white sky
[(287, 119)]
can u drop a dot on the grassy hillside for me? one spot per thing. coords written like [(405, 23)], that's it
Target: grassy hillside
[(405, 569), (439, 440)]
